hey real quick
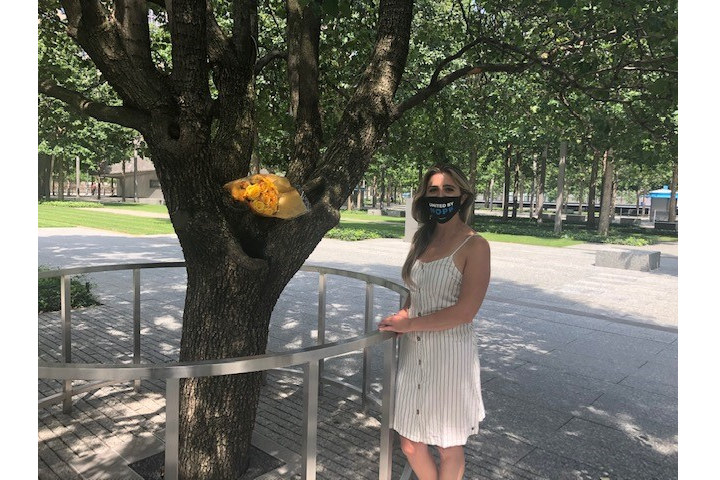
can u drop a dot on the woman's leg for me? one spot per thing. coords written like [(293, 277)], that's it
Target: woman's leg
[(452, 463), (420, 459)]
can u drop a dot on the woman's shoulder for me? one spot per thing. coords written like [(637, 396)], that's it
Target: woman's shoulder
[(477, 242)]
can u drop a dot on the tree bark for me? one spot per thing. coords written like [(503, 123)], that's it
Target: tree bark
[(606, 195)]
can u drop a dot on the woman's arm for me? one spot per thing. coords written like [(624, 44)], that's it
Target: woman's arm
[(476, 278)]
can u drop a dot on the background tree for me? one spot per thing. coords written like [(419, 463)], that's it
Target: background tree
[(66, 134)]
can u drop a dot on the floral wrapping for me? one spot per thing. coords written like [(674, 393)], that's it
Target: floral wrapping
[(268, 195)]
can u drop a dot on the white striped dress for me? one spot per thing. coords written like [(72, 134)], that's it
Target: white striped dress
[(437, 398)]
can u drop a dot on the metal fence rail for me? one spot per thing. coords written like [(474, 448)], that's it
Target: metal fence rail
[(310, 360)]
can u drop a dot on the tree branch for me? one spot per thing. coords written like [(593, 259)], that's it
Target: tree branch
[(368, 113), (233, 73), (125, 116), (436, 85), (268, 58), (303, 78), (119, 47), (218, 45)]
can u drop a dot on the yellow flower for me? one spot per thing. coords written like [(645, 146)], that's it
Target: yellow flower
[(268, 195), (259, 193)]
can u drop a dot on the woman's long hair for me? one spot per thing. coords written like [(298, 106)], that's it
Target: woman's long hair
[(421, 213)]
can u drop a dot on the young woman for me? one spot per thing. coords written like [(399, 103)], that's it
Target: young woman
[(447, 270)]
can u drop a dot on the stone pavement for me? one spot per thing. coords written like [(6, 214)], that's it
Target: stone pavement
[(579, 363)]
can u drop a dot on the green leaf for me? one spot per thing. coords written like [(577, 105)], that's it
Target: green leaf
[(331, 7)]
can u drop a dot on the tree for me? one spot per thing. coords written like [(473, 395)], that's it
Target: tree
[(66, 134), (202, 81)]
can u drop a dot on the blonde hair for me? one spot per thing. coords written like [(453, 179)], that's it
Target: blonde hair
[(421, 213)]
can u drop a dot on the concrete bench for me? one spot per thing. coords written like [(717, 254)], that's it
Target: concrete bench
[(569, 218), (666, 226), (643, 260), (575, 218), (394, 212)]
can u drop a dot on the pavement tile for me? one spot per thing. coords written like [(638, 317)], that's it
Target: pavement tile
[(570, 390)]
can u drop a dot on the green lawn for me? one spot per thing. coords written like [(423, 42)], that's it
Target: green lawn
[(141, 207), (52, 215), (353, 225)]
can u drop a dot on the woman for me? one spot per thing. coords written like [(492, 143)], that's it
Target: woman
[(447, 270)]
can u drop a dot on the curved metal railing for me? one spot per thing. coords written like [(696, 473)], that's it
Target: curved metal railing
[(310, 359)]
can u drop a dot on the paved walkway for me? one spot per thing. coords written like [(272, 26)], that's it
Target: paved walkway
[(579, 363)]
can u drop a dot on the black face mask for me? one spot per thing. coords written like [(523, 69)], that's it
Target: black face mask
[(442, 209)]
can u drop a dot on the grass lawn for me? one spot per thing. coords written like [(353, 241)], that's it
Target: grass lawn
[(140, 207), (353, 225), (52, 215)]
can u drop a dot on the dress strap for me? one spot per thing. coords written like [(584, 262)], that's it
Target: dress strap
[(463, 243)]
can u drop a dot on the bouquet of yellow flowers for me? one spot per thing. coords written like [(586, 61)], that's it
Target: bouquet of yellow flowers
[(268, 195)]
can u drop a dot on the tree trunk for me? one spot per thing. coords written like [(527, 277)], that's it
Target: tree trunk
[(383, 186), (613, 196), (491, 192), (533, 187), (61, 180), (44, 176), (374, 191), (506, 185), (77, 178), (360, 200), (541, 185), (52, 175), (591, 221), (473, 180), (672, 206), (516, 186), (560, 188), (606, 195), (520, 187), (486, 194)]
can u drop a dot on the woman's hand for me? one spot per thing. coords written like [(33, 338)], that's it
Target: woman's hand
[(399, 323)]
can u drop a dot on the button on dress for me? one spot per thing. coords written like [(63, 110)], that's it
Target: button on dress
[(437, 398)]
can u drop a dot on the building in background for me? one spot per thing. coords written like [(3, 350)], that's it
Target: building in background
[(660, 204), (142, 184)]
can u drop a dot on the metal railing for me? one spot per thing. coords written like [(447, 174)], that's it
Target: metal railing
[(310, 359)]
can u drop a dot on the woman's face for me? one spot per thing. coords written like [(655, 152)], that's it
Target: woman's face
[(441, 185)]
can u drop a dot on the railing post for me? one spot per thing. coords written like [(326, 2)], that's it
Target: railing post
[(136, 321), (66, 346), (172, 428), (311, 381), (369, 319), (388, 409), (322, 303)]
